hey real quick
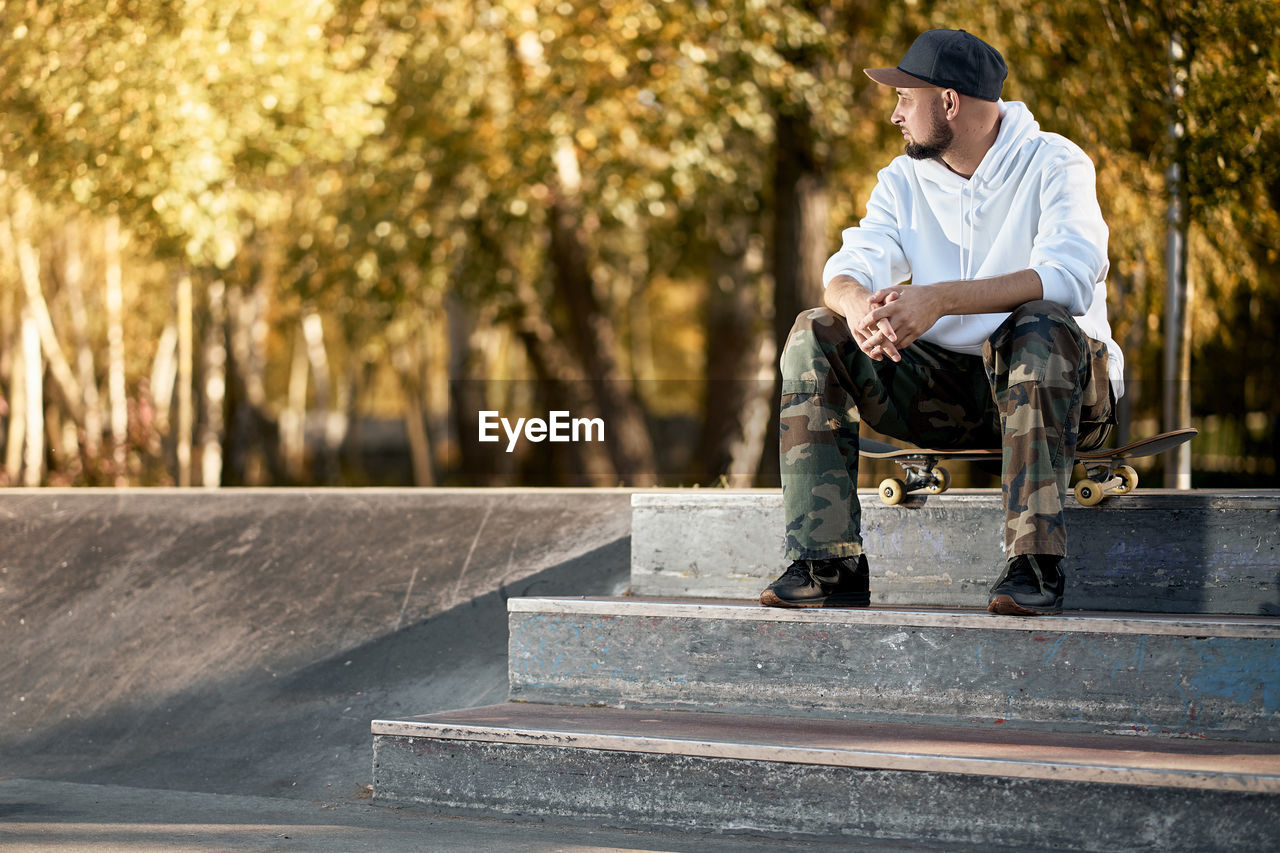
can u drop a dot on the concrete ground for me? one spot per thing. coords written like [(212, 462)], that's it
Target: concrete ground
[(37, 816)]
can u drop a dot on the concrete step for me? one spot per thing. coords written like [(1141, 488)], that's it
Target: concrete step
[(737, 773), (1153, 551), (1195, 676)]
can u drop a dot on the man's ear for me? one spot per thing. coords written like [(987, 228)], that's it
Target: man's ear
[(950, 102)]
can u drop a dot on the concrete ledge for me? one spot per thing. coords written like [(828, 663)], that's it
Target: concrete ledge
[(1145, 624), (1242, 768), (732, 773), (1203, 677), (1154, 551)]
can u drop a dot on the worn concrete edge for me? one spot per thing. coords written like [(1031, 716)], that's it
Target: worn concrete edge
[(1147, 499), (18, 492), (865, 759), (769, 498), (1177, 626)]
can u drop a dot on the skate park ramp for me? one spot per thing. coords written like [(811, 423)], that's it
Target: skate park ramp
[(240, 642)]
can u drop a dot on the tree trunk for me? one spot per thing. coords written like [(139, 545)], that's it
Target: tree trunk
[(213, 375), (415, 417), (322, 381), (737, 402), (15, 443), (478, 465), (115, 353), (18, 242), (33, 380), (801, 210), (73, 275), (8, 371), (186, 379), (164, 374), (640, 317), (61, 443), (592, 332), (561, 387), (410, 358), (251, 434), (355, 382), (293, 420)]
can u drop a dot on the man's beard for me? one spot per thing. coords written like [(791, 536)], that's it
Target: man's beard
[(939, 140)]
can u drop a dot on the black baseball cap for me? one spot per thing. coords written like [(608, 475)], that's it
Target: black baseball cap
[(951, 59)]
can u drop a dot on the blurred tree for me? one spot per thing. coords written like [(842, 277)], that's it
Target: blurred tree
[(184, 120)]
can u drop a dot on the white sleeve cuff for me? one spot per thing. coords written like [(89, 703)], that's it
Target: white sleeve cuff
[(1061, 290)]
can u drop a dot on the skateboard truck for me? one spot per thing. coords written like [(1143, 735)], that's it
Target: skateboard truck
[(1102, 480), (920, 469), (923, 475)]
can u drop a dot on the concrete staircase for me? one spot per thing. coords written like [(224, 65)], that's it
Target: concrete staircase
[(1149, 721)]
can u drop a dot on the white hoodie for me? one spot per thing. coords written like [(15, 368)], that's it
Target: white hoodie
[(1031, 204)]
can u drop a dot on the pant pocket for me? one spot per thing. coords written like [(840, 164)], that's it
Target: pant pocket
[(1096, 404)]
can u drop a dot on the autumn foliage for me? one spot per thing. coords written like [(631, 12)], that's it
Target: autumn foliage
[(267, 242)]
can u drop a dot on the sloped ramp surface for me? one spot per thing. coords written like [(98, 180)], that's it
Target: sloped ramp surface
[(240, 641)]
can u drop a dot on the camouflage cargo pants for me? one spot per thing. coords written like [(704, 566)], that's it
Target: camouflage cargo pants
[(1040, 390)]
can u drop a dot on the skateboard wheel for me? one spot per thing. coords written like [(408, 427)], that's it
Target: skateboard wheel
[(1129, 477), (892, 491), (941, 481), (1089, 493)]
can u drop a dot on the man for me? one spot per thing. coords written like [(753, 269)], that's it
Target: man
[(1000, 339)]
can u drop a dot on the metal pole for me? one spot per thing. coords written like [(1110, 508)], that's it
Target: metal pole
[(1177, 356)]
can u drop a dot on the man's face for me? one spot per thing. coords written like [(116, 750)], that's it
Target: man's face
[(924, 127)]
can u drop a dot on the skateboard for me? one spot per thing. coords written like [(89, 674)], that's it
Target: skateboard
[(1105, 471)]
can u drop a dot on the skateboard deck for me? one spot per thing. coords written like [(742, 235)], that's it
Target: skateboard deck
[(1105, 470)]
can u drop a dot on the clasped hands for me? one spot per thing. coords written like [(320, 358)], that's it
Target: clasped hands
[(895, 318)]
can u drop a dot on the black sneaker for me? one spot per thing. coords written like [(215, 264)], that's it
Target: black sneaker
[(836, 582), (1031, 585)]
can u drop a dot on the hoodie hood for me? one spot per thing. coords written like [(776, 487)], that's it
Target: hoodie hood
[(1017, 128), (1000, 163)]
